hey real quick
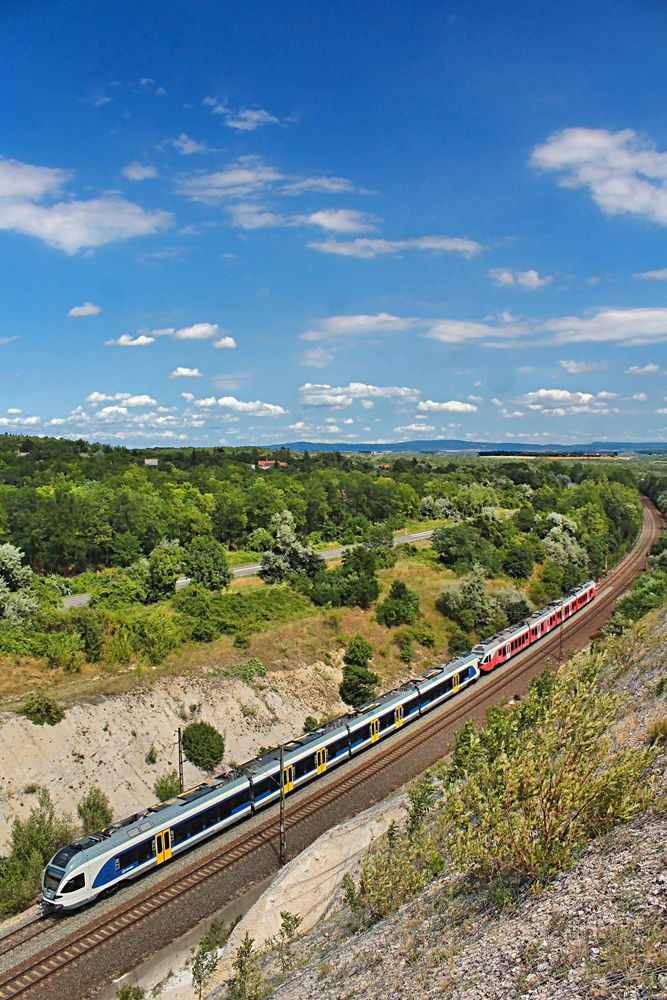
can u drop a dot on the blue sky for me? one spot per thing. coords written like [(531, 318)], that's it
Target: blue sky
[(250, 222)]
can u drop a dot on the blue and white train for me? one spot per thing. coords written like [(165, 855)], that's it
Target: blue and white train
[(97, 864)]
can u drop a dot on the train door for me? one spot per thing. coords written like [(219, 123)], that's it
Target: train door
[(288, 778), (375, 730), (398, 716), (507, 650), (321, 760), (456, 682), (162, 846)]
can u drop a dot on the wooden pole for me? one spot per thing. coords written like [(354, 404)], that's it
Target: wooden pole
[(283, 842)]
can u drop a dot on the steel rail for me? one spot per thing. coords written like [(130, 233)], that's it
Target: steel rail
[(85, 940)]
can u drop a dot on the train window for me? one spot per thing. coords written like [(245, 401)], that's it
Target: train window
[(51, 880), (387, 720), (144, 851), (240, 800), (339, 747), (305, 766), (264, 787), (78, 882), (179, 833), (364, 733)]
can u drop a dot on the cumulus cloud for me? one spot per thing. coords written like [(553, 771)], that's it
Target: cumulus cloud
[(136, 171), (649, 369), (198, 331), (182, 372), (254, 408), (582, 367), (623, 172), (418, 428), (341, 220), (562, 402), (625, 326), (358, 326), (225, 342), (206, 403), (245, 120), (641, 397), (127, 399), (314, 394), (87, 309), (366, 247), (316, 358), (450, 406), (68, 225), (529, 280), (659, 275), (187, 146), (126, 340)]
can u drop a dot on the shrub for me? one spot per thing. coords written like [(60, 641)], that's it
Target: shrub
[(460, 546), (167, 786), (401, 607), (94, 810), (130, 992), (42, 710), (519, 562), (164, 565), (358, 651), (90, 625), (248, 981), (310, 723), (117, 590), (247, 671), (151, 756), (158, 634), (657, 731), (64, 649), (203, 745), (33, 841), (458, 643), (423, 635)]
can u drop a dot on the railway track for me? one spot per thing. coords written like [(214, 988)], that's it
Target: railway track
[(428, 736)]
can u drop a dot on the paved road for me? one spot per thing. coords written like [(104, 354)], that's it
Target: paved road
[(251, 569)]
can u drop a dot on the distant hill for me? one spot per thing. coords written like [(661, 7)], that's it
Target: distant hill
[(466, 446)]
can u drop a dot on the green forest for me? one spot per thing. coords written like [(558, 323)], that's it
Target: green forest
[(77, 517)]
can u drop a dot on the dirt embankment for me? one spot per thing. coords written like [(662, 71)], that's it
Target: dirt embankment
[(106, 744)]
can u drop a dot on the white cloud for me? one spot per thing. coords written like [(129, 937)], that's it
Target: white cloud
[(342, 220), (225, 342), (19, 421), (529, 280), (8, 340), (582, 367), (313, 394), (204, 403), (365, 247), (126, 340), (245, 120), (367, 404), (247, 177), (317, 357), (450, 406), (127, 399), (418, 428), (68, 225), (625, 326), (562, 402), (13, 409), (187, 146), (659, 275), (326, 185), (136, 171), (358, 326), (454, 331), (87, 309), (254, 408), (181, 372), (198, 331), (641, 397), (248, 215), (623, 172), (649, 369)]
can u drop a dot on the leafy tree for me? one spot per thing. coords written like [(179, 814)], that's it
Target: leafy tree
[(354, 583), (89, 624), (470, 605), (167, 786), (287, 554), (460, 546), (94, 810), (16, 603), (164, 565), (248, 982), (206, 563), (203, 966), (519, 562), (359, 684), (401, 607), (289, 925), (513, 603), (203, 745), (358, 651)]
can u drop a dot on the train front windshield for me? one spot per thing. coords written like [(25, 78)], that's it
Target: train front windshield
[(51, 880)]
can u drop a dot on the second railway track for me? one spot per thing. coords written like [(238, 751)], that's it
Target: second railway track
[(424, 743)]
